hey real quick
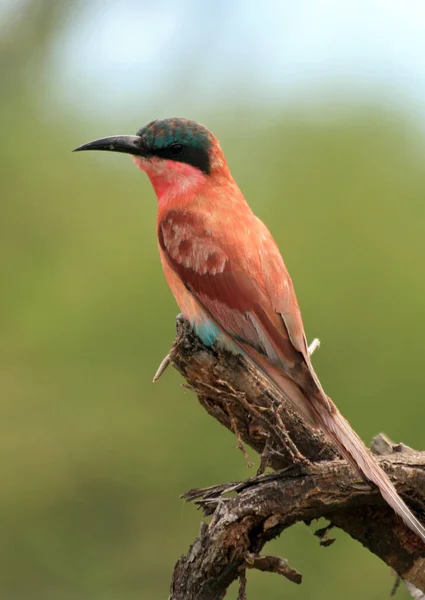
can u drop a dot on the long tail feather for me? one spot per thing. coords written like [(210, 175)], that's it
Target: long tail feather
[(354, 450), (323, 413)]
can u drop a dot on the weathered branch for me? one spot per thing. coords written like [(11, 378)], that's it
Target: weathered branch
[(299, 490)]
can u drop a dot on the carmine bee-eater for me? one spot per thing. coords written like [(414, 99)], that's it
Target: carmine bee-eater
[(229, 279)]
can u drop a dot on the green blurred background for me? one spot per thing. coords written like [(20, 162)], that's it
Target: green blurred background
[(93, 456)]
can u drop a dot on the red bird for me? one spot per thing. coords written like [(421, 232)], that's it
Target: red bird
[(229, 279)]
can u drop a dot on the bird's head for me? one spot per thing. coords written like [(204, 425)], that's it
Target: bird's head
[(178, 155)]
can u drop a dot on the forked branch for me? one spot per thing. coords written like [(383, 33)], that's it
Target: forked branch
[(307, 483)]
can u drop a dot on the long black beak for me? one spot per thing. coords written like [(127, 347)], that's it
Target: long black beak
[(129, 144)]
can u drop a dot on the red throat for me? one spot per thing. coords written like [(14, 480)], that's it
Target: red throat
[(171, 178)]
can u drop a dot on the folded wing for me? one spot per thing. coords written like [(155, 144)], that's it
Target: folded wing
[(248, 295)]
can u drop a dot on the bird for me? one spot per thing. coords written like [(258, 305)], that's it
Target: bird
[(229, 279)]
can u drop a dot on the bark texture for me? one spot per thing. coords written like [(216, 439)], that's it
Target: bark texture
[(323, 485)]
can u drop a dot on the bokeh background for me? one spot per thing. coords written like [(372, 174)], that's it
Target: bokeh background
[(320, 109)]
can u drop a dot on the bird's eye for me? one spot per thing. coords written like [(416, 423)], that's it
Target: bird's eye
[(176, 148)]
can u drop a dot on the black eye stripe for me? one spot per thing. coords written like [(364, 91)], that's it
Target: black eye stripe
[(186, 153), (176, 148)]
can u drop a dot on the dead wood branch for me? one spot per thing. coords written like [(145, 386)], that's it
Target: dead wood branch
[(298, 489)]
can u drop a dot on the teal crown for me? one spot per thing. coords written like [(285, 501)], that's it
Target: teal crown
[(161, 133)]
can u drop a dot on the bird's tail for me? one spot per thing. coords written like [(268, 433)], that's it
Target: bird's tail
[(353, 449), (321, 412)]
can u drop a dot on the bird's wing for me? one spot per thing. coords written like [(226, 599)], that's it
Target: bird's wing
[(235, 289), (280, 290)]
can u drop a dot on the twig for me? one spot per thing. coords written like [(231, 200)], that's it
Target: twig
[(242, 585), (414, 592), (273, 564), (315, 345), (162, 367)]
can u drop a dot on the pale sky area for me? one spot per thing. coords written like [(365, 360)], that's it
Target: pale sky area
[(126, 53)]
